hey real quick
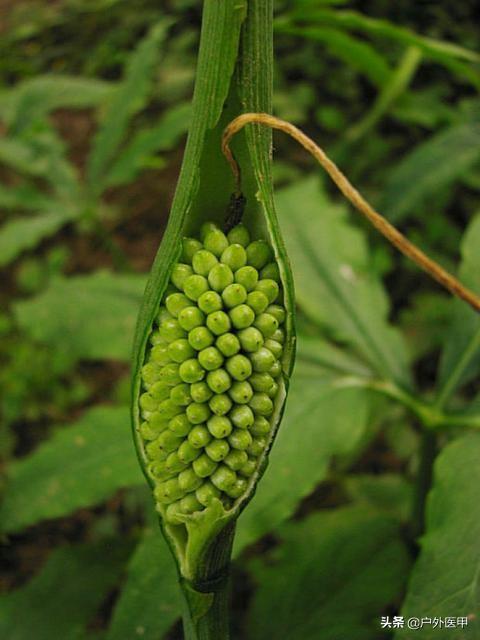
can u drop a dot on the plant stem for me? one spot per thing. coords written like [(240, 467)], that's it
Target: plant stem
[(428, 451), (206, 599)]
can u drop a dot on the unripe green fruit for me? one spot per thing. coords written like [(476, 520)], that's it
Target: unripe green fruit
[(190, 247), (234, 256), (203, 261), (220, 404), (175, 302), (236, 459), (191, 317), (228, 344), (247, 277), (212, 372)]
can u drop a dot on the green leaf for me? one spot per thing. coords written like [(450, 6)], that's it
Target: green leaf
[(89, 316), (448, 54), (445, 580), (26, 233), (78, 467), (128, 99), (434, 164), (332, 577), (354, 52), (61, 600), (334, 280), (142, 149), (150, 600), (34, 98), (321, 421), (460, 360), (24, 197), (388, 493)]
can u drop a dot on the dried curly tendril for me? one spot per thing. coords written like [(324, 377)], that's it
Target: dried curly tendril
[(210, 373)]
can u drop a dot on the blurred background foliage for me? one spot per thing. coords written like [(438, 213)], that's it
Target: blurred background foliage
[(94, 108)]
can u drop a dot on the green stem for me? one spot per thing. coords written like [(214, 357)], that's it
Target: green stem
[(206, 599), (428, 451)]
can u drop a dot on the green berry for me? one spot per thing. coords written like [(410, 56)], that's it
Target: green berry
[(275, 347), (197, 412), (239, 367), (160, 353), (251, 339), (168, 441), (269, 287), (190, 504), (155, 451), (169, 491), (262, 381), (187, 453), (199, 436), (163, 315), (180, 273), (259, 253), (210, 358), (215, 241), (257, 447), (190, 318), (155, 338), (190, 247), (223, 478), (271, 271), (262, 360), (148, 432), (180, 350), (180, 394), (277, 312), (241, 392), (217, 450), (160, 390), (200, 338), (204, 466), (200, 392), (239, 235), (248, 468), (209, 302), (236, 459), (261, 404), (168, 409), (220, 404), (206, 493), (240, 439), (279, 335), (267, 324), (188, 480), (242, 416), (272, 392), (241, 316), (258, 301), (219, 426), (170, 374), (276, 369), (238, 489), (150, 373), (171, 330), (175, 302), (218, 322), (247, 277), (180, 425), (173, 464), (203, 261), (173, 513), (195, 285), (228, 344), (206, 228), (220, 277), (260, 426), (234, 256), (234, 295), (190, 371), (219, 381)]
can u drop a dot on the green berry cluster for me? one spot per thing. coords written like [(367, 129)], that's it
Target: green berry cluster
[(211, 373)]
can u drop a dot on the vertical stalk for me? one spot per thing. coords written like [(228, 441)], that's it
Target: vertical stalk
[(428, 452), (206, 599)]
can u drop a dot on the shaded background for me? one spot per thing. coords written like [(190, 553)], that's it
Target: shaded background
[(94, 109)]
